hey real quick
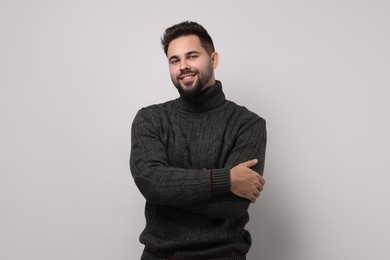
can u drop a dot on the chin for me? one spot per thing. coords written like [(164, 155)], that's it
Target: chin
[(188, 88)]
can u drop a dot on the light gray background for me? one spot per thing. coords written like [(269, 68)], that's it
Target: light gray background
[(74, 73)]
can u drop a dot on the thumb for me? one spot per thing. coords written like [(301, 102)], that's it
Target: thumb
[(250, 163)]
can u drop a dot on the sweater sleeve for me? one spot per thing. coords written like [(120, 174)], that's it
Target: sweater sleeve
[(160, 183), (250, 144)]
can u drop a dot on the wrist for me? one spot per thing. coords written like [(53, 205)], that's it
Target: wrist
[(220, 180)]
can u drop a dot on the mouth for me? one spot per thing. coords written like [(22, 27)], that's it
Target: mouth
[(187, 77)]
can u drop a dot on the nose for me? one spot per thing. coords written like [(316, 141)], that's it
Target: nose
[(184, 65)]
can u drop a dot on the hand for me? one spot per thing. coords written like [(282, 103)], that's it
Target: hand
[(245, 182)]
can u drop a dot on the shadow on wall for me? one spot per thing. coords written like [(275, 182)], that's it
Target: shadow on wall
[(271, 229)]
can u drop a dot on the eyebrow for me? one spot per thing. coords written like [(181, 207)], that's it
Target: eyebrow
[(192, 52), (186, 54)]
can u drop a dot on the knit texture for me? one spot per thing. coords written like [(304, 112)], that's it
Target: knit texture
[(181, 155)]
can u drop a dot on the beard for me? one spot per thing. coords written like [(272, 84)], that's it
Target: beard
[(194, 89)]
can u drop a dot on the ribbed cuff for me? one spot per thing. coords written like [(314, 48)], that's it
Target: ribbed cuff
[(148, 256), (220, 181)]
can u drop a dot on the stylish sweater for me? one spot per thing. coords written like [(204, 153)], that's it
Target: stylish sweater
[(181, 155)]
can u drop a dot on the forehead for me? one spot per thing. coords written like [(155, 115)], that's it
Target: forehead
[(184, 44)]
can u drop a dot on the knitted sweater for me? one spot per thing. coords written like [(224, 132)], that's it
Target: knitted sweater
[(181, 156)]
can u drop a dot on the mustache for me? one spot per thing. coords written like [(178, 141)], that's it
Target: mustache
[(186, 71)]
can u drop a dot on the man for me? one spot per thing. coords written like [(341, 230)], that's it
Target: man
[(197, 160)]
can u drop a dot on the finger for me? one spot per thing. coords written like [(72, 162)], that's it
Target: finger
[(250, 163), (261, 179), (253, 199)]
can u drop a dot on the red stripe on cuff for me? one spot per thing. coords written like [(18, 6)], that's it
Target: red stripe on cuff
[(211, 181)]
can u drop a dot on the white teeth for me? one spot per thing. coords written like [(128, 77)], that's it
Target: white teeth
[(187, 77)]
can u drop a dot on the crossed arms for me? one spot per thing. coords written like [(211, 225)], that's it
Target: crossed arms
[(219, 193)]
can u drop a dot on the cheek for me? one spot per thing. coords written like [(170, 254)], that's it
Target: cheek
[(173, 73), (173, 70), (205, 65)]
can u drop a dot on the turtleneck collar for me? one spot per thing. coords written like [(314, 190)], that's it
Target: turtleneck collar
[(208, 100)]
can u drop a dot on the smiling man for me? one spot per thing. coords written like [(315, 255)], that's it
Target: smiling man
[(198, 160), (191, 66)]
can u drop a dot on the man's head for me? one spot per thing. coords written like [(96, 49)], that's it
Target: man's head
[(185, 29), (191, 56)]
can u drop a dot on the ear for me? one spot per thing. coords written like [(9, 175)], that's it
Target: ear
[(214, 59)]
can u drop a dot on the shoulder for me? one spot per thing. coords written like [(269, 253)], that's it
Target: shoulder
[(248, 124), (153, 116), (245, 115), (155, 110)]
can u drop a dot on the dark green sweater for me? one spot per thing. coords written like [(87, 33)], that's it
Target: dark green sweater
[(181, 156)]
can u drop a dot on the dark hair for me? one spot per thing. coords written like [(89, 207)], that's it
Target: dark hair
[(184, 29)]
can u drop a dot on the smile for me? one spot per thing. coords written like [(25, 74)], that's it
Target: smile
[(187, 76)]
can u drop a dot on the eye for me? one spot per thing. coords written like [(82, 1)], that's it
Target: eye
[(173, 61), (193, 56)]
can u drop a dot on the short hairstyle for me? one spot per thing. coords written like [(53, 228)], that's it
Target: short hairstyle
[(184, 29)]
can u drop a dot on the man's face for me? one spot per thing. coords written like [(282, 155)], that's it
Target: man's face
[(190, 66)]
